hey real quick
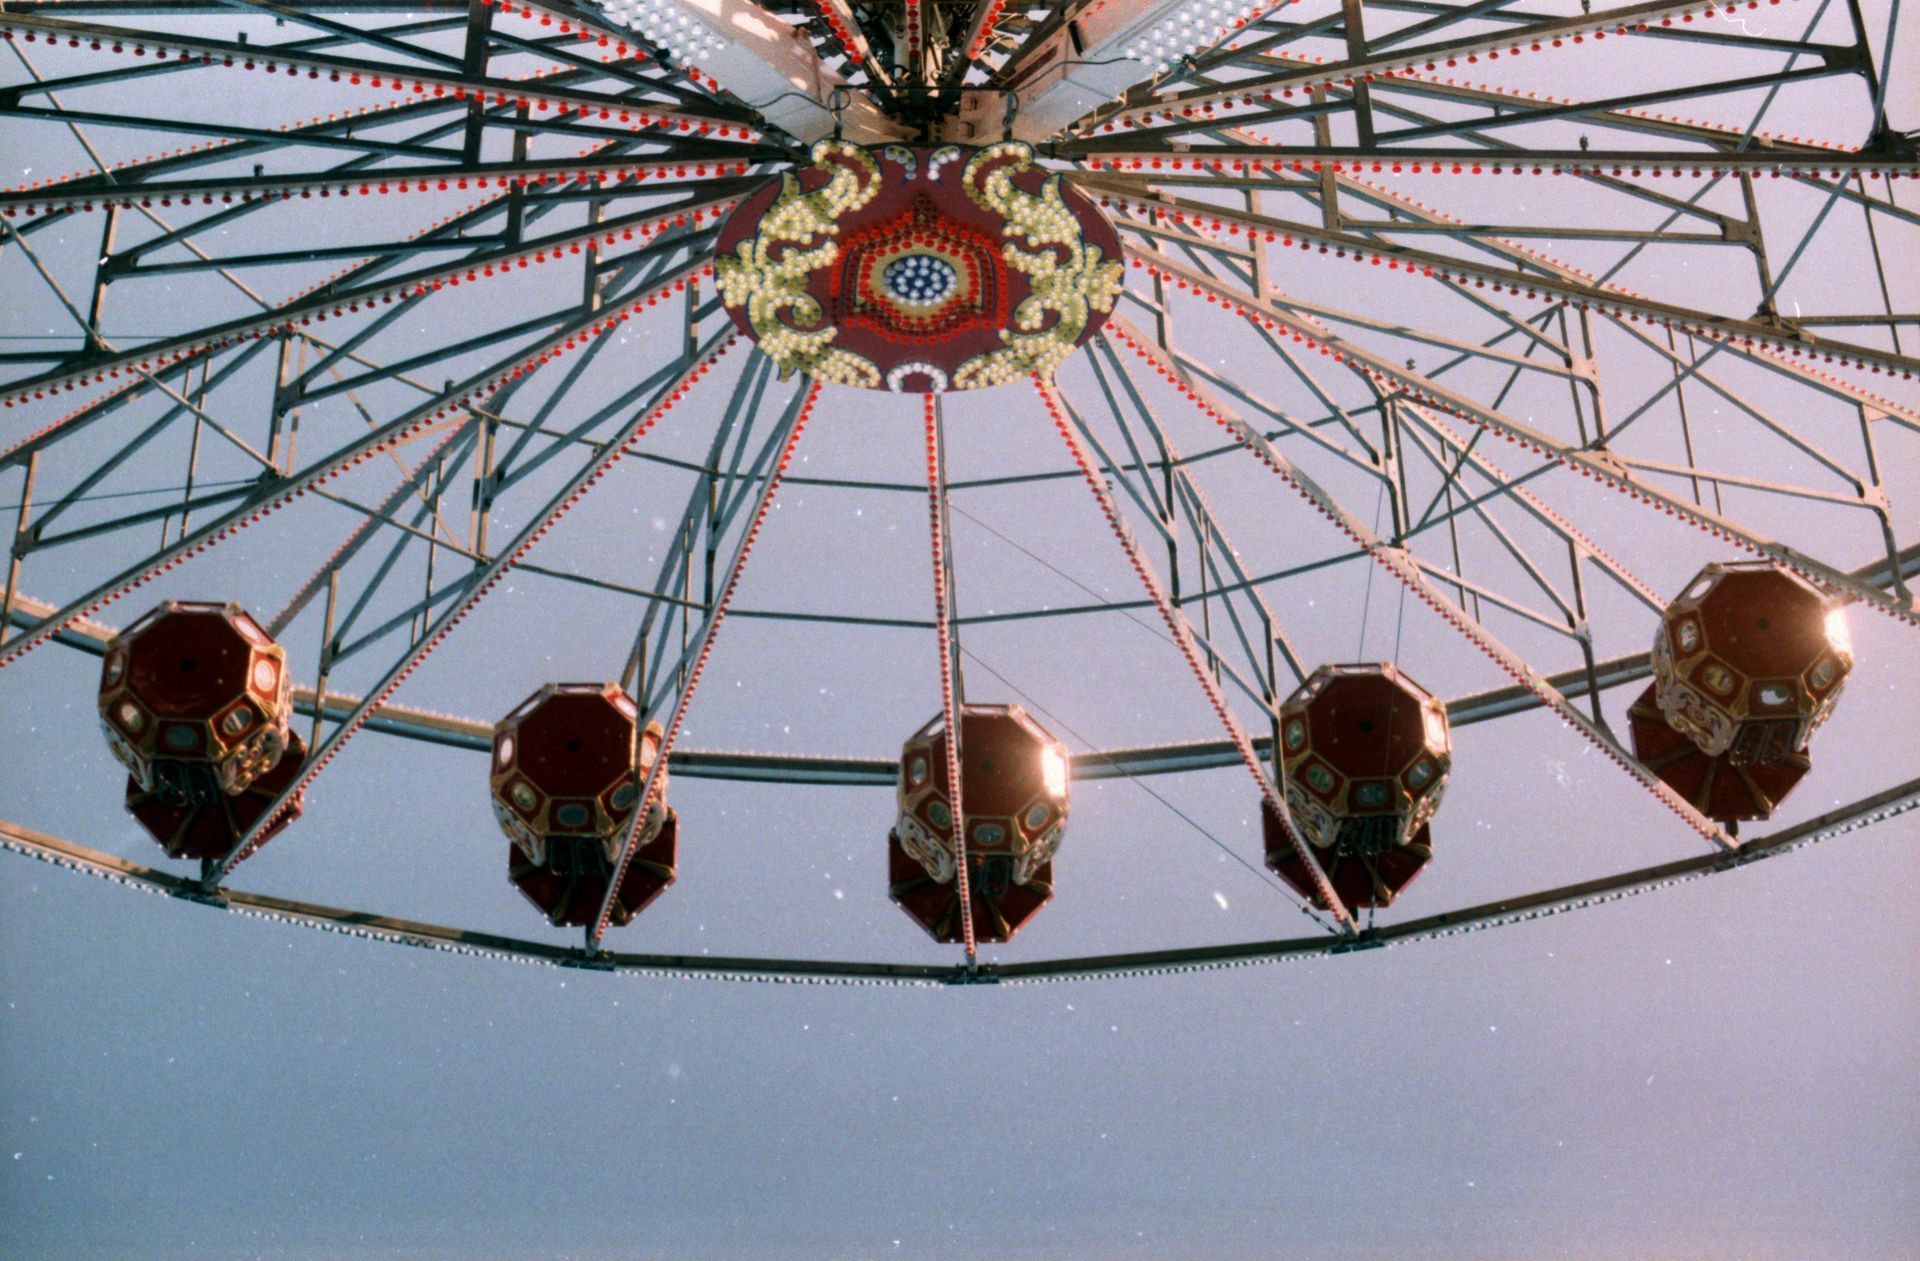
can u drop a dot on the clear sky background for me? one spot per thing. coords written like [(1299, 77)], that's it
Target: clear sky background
[(1725, 1069)]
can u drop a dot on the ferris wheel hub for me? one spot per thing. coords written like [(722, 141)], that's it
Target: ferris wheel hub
[(919, 269)]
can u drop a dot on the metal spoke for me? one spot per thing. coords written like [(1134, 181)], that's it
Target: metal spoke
[(1346, 253)]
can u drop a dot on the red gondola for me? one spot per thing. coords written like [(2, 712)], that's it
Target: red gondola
[(196, 701), (1364, 758), (568, 770), (1013, 801), (1747, 664)]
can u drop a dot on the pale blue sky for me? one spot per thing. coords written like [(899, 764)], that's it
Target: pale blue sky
[(1725, 1069)]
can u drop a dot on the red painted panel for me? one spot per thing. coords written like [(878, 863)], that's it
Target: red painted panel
[(1359, 880), (1000, 908), (209, 830), (572, 894), (1719, 787)]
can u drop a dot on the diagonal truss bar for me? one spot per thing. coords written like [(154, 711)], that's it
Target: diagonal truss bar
[(142, 169), (307, 62), (651, 228), (1400, 563), (711, 502), (1177, 626), (1598, 465), (792, 425), (1739, 334), (579, 177), (1382, 64), (477, 585), (272, 495), (472, 734), (1426, 218), (1216, 549), (720, 518)]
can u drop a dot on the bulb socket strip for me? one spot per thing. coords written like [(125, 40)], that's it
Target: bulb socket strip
[(397, 434), (137, 369), (1761, 348), (495, 572), (1219, 219), (1774, 165), (1193, 25), (668, 25), (916, 38), (1397, 562), (1492, 47), (650, 793), (848, 36), (211, 150), (361, 74), (988, 24), (949, 702), (309, 309), (615, 47), (1183, 637), (1586, 463), (1207, 114), (185, 193), (1623, 304), (38, 437)]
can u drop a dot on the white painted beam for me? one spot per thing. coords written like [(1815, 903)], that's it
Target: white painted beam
[(1120, 43), (765, 62)]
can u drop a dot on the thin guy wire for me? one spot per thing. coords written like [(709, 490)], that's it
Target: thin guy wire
[(1147, 788)]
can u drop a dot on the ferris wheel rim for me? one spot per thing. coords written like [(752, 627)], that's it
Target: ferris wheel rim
[(68, 855), (1170, 236)]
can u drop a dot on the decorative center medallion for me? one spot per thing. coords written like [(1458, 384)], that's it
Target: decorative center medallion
[(918, 269)]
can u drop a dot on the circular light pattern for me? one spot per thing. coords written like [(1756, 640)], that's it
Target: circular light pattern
[(918, 270), (920, 280)]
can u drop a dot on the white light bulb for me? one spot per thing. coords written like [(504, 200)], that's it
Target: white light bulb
[(1053, 772), (1838, 633)]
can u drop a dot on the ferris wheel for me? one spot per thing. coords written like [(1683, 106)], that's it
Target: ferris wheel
[(1576, 342)]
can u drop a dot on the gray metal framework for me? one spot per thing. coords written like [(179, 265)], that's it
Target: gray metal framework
[(304, 337)]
